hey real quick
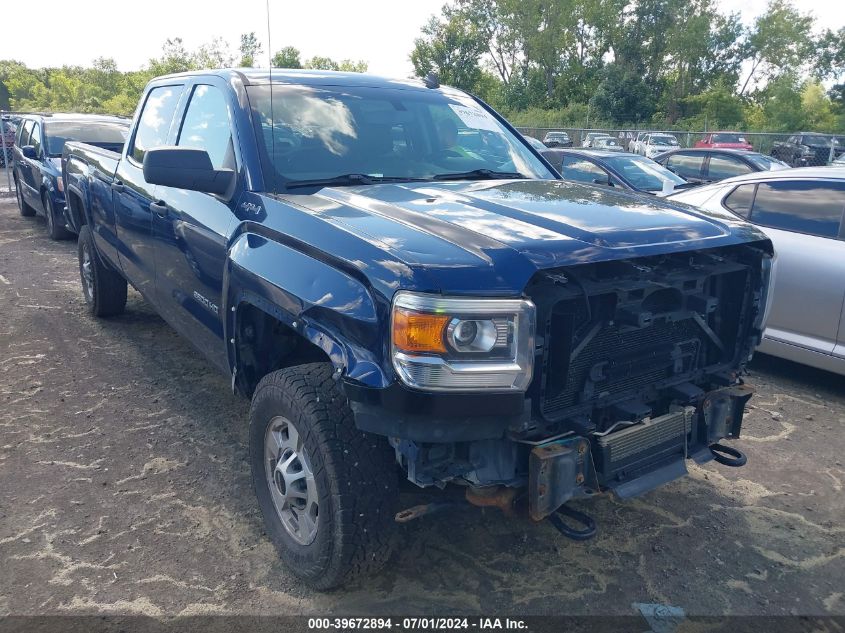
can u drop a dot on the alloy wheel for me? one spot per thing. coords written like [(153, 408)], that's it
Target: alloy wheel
[(291, 480)]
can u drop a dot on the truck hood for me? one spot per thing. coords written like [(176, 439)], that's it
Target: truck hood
[(513, 228)]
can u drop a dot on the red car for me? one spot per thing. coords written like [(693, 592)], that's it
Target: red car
[(730, 140)]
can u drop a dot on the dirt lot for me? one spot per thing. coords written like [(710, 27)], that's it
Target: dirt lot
[(124, 487)]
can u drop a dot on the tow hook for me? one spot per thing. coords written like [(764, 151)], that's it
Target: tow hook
[(587, 532), (728, 455)]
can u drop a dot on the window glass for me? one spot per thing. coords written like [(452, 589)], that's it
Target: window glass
[(581, 170), (739, 200), (728, 138), (643, 173), (156, 116), (206, 126), (107, 134), (26, 129), (35, 139), (813, 207), (319, 132), (766, 163), (722, 167), (686, 165)]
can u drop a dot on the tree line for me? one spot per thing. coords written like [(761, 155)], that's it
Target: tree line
[(680, 64), (102, 88), (658, 63)]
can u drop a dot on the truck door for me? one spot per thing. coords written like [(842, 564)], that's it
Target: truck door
[(191, 228), (133, 196)]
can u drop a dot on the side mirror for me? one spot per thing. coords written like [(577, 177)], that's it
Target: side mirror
[(186, 168), (603, 181), (28, 151)]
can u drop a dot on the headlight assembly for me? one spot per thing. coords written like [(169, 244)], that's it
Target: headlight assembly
[(451, 343)]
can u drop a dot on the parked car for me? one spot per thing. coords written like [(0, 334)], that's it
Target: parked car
[(591, 137), (808, 149), (710, 165), (557, 139), (724, 140), (37, 160), (608, 143), (535, 143), (634, 144), (654, 144), (801, 210), (416, 308), (840, 161), (614, 169)]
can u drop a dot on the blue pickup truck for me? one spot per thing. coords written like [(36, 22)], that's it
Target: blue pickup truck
[(403, 287)]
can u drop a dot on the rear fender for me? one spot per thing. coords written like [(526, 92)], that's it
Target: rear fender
[(327, 307)]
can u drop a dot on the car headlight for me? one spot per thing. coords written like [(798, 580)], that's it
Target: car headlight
[(451, 343)]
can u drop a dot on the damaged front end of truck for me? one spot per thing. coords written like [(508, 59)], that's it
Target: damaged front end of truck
[(637, 367)]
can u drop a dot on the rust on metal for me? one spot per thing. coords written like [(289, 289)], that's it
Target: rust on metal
[(494, 497)]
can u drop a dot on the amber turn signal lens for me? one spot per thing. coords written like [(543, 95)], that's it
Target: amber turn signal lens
[(419, 332)]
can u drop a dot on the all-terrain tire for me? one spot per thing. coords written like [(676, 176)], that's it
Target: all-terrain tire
[(55, 226), (355, 474), (104, 289), (25, 210)]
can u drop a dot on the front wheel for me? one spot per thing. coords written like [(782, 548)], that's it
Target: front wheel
[(327, 491), (55, 226), (103, 288)]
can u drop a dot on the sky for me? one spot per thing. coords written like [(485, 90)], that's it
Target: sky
[(380, 32)]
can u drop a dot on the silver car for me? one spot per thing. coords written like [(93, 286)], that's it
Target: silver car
[(801, 210)]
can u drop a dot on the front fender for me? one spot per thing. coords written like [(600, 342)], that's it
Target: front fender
[(329, 308)]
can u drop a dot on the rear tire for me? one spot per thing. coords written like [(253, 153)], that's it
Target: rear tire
[(55, 227), (103, 288), (328, 492), (25, 210)]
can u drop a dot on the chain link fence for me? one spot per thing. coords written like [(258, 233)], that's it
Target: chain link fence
[(761, 141)]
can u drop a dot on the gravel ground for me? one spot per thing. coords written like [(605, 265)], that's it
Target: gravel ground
[(125, 489)]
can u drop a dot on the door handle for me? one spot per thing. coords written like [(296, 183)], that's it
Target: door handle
[(159, 207), (118, 187)]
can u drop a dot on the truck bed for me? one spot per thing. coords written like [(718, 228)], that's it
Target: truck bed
[(87, 171)]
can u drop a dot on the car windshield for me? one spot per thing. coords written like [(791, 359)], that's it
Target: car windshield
[(314, 133), (102, 133), (553, 135), (606, 141), (766, 163), (661, 139), (643, 174), (728, 138)]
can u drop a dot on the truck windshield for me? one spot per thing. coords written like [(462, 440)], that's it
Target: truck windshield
[(100, 133), (318, 133)]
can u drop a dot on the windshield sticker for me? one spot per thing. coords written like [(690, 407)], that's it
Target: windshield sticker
[(476, 119)]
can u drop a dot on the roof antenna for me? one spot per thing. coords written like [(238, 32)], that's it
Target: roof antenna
[(432, 80), (272, 112)]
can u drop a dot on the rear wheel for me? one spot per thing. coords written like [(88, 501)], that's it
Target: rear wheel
[(25, 210), (55, 225), (328, 492), (103, 288)]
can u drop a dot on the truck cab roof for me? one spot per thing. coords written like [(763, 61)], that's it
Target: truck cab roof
[(309, 77)]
